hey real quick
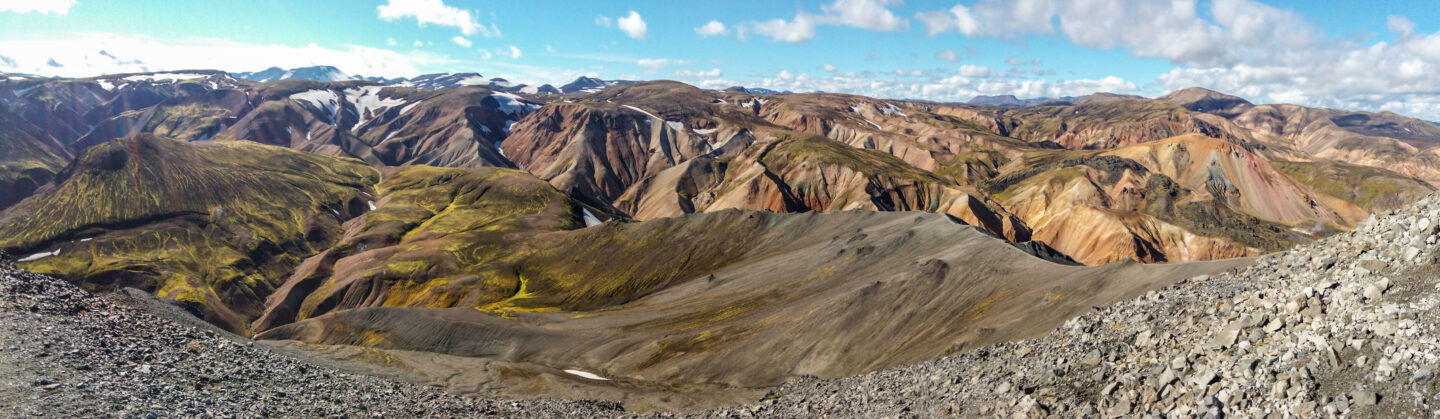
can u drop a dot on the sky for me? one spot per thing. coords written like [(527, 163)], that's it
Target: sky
[(1376, 55)]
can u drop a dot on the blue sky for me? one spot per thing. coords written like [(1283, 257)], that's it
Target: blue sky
[(1373, 55)]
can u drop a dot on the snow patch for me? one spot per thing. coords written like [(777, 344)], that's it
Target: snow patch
[(372, 205), (890, 109), (706, 131), (675, 125), (87, 239), (511, 104), (508, 124), (590, 221), (584, 374), (855, 109), (473, 81), (367, 100), (324, 100), (106, 85), (165, 77), (407, 108), (651, 115), (877, 126), (39, 256)]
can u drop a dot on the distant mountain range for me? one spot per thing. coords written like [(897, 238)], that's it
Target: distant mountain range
[(434, 81)]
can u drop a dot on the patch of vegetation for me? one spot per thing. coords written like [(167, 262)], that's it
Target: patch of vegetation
[(1211, 218), (1113, 166), (813, 149), (1372, 188), (219, 224)]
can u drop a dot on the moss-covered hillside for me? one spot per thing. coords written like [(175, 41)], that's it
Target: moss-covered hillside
[(1372, 188), (216, 225)]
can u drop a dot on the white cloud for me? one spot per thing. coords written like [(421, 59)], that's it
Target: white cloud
[(93, 54), (872, 15), (603, 21), (797, 30), (973, 71), (968, 82), (1401, 25), (485, 54), (1172, 30), (948, 55), (712, 28), (390, 41), (549, 49), (864, 14), (45, 7), (829, 68), (419, 43), (698, 74), (514, 52), (633, 25), (435, 12), (461, 41), (652, 64)]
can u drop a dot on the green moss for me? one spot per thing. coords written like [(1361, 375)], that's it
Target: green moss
[(811, 149), (228, 221), (1372, 188)]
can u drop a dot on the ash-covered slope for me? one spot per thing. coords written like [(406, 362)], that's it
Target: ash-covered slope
[(730, 298), (1343, 326), (68, 353)]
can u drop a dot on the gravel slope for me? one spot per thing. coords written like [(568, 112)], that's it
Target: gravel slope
[(1343, 327), (68, 353)]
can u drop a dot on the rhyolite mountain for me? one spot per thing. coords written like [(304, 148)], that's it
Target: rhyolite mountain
[(1194, 175), (659, 234)]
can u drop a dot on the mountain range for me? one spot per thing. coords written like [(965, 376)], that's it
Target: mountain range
[(654, 233)]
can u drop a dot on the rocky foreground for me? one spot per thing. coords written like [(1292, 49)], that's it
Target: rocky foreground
[(67, 353), (1342, 327)]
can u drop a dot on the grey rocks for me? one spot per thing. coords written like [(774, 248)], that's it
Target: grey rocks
[(1347, 326), (67, 353)]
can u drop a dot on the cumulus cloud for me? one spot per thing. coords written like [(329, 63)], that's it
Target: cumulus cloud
[(44, 7), (653, 65), (698, 74), (435, 12), (797, 30), (973, 71), (514, 52), (712, 28), (461, 41), (829, 68), (872, 15), (964, 84), (1171, 30), (633, 25), (948, 55)]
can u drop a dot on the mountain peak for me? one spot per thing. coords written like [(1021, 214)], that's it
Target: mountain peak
[(1200, 99)]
